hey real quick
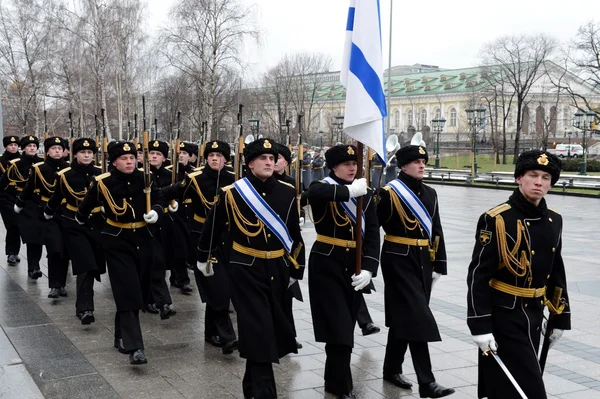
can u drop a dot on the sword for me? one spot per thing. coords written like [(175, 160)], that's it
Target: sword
[(506, 371), (211, 259)]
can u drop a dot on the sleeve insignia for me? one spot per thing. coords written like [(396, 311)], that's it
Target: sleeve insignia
[(485, 237)]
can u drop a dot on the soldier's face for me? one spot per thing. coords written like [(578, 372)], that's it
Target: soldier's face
[(262, 166), (184, 157), (280, 165), (126, 163), (215, 160), (140, 156), (415, 168), (12, 148), (30, 149), (534, 185), (156, 158), (55, 152), (346, 170), (84, 157)]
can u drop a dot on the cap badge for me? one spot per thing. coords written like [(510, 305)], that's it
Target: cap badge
[(12, 139), (266, 144), (214, 145), (57, 140), (126, 147), (31, 138), (181, 145), (543, 159), (421, 150), (350, 151), (156, 144), (86, 143)]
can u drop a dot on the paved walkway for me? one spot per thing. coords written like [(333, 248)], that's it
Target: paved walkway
[(45, 352)]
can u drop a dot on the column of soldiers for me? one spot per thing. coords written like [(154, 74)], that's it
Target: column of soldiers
[(243, 241)]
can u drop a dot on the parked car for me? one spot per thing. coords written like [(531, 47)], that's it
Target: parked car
[(569, 150)]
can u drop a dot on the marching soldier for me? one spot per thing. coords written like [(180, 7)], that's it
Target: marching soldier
[(202, 187), (332, 282), (413, 257), (317, 166), (516, 270), (376, 172), (127, 241), (306, 170), (7, 202), (84, 242), (267, 256), (14, 181), (40, 230)]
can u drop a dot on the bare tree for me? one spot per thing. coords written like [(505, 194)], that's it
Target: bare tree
[(519, 59)]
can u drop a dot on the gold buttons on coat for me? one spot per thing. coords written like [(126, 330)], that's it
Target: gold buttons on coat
[(532, 252), (553, 249), (550, 220), (528, 224)]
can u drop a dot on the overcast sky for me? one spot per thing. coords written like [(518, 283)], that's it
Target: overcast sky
[(444, 33)]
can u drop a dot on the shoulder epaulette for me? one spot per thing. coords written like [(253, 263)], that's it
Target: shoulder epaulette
[(386, 188), (141, 169), (227, 188), (170, 167), (498, 210), (38, 164), (554, 210), (195, 173), (230, 172), (287, 184), (62, 172), (99, 167), (14, 161), (102, 176)]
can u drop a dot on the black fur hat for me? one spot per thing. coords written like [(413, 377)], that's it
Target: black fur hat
[(83, 143), (285, 152), (118, 148), (260, 147), (52, 141), (159, 145), (538, 160), (217, 146), (25, 141), (340, 153), (8, 140), (406, 155), (188, 147)]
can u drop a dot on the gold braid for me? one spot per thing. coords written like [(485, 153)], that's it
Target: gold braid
[(78, 195), (117, 210), (207, 204), (47, 186), (310, 214), (15, 171), (508, 259), (409, 224), (239, 218)]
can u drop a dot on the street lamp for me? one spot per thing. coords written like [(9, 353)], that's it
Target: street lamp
[(569, 148), (438, 127), (583, 124), (321, 138), (339, 124), (254, 126), (475, 118)]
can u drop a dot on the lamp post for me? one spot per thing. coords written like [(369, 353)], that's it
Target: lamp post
[(339, 124), (321, 139), (583, 124), (254, 127), (569, 148), (438, 127), (475, 117)]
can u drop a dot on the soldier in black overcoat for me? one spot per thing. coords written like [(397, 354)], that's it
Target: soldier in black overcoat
[(7, 202), (83, 242), (201, 188), (14, 182), (317, 165), (413, 257), (267, 256), (127, 241), (517, 269), (306, 170), (38, 190), (332, 282)]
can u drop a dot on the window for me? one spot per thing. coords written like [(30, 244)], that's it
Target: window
[(437, 113), (423, 117), (452, 116), (409, 117), (396, 118)]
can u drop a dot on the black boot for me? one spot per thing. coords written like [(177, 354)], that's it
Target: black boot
[(137, 357), (398, 380), (434, 390)]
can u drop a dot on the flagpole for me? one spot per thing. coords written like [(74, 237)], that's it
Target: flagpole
[(359, 207), (389, 77)]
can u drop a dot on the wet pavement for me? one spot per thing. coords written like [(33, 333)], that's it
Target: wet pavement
[(46, 352)]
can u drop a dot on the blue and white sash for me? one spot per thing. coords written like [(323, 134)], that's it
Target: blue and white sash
[(264, 212), (349, 207), (413, 203)]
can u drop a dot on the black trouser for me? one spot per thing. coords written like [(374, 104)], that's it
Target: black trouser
[(34, 254), (338, 376), (394, 357), (85, 292), (127, 327), (363, 317), (58, 267), (13, 240), (218, 322), (179, 272), (259, 381)]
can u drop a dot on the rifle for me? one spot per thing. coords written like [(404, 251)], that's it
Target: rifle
[(97, 157), (45, 128), (238, 157), (155, 129), (71, 138), (299, 159), (175, 150), (104, 140), (128, 130), (556, 306), (135, 131), (289, 144), (145, 138)]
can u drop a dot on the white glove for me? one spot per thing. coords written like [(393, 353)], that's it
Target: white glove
[(47, 217), (554, 336), (362, 280), (301, 221), (434, 278), (203, 267), (485, 342), (292, 281), (357, 188), (17, 208), (173, 206), (151, 217)]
